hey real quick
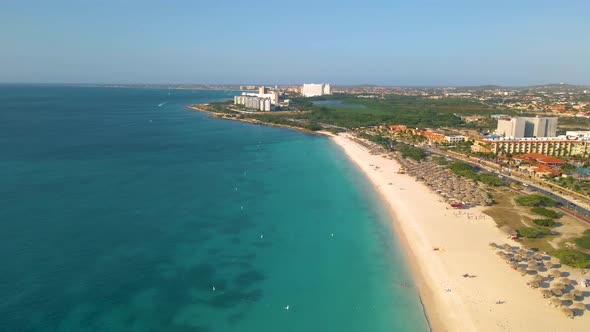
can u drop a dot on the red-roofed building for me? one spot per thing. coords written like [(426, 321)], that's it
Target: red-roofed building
[(542, 170), (538, 158), (396, 128)]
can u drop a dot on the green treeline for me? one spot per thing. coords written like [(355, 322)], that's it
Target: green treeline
[(466, 170)]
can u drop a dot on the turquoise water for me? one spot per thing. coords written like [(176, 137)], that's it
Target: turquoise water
[(120, 210)]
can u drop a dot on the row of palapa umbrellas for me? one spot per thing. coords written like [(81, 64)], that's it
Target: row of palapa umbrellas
[(561, 292), (453, 188)]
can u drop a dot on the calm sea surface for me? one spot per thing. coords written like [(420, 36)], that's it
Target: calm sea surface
[(121, 210)]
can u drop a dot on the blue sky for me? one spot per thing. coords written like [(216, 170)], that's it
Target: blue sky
[(282, 42)]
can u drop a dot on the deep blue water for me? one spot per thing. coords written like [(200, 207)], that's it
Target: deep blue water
[(121, 210)]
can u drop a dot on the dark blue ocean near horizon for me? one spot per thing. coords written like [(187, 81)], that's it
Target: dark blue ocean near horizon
[(122, 210)]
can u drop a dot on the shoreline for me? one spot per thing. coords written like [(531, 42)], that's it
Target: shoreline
[(441, 244), (222, 116)]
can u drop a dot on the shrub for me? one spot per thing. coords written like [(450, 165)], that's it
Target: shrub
[(587, 232), (440, 160), (571, 257), (529, 232), (583, 242), (545, 222), (489, 179), (534, 200), (544, 212)]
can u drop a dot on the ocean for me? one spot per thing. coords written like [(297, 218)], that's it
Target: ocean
[(122, 210)]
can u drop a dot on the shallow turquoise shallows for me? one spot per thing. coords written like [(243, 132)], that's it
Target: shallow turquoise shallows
[(121, 210)]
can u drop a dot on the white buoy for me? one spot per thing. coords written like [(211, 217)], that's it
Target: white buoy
[(286, 307), (261, 236), (214, 288), (332, 234)]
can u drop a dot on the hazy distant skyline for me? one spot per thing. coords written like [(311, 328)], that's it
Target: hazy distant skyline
[(423, 43)]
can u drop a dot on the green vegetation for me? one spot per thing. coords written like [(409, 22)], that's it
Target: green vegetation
[(545, 212), (583, 242), (466, 170), (440, 160), (586, 232), (412, 111), (545, 222), (571, 257), (534, 200), (532, 233), (409, 151), (489, 179)]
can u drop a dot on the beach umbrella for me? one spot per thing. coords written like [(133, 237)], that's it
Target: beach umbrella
[(534, 284), (546, 293), (567, 312), (513, 265), (548, 264), (493, 245), (538, 257), (555, 302), (579, 305), (565, 281), (518, 258), (555, 273), (537, 278), (522, 271), (559, 285), (577, 293), (522, 252), (507, 246), (568, 297), (532, 265), (556, 291)]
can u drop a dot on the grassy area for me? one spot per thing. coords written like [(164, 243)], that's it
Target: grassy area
[(407, 110), (466, 170)]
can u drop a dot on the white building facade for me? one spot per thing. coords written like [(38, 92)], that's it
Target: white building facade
[(314, 90), (527, 127)]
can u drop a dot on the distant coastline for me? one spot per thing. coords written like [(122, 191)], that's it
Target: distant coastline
[(217, 115)]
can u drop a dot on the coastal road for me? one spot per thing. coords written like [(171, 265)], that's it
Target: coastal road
[(569, 207)]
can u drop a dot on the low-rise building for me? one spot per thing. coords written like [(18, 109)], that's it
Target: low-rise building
[(455, 138)]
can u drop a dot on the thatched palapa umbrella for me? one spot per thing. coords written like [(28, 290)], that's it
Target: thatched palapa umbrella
[(501, 253), (522, 252), (548, 264), (559, 285), (522, 271), (537, 278), (538, 257), (565, 281), (568, 297), (518, 258), (513, 265), (493, 245), (534, 284), (567, 312), (532, 265), (556, 291), (577, 293), (579, 306), (546, 293), (555, 273), (555, 302)]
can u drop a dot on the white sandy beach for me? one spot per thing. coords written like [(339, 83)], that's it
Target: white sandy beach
[(454, 303)]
